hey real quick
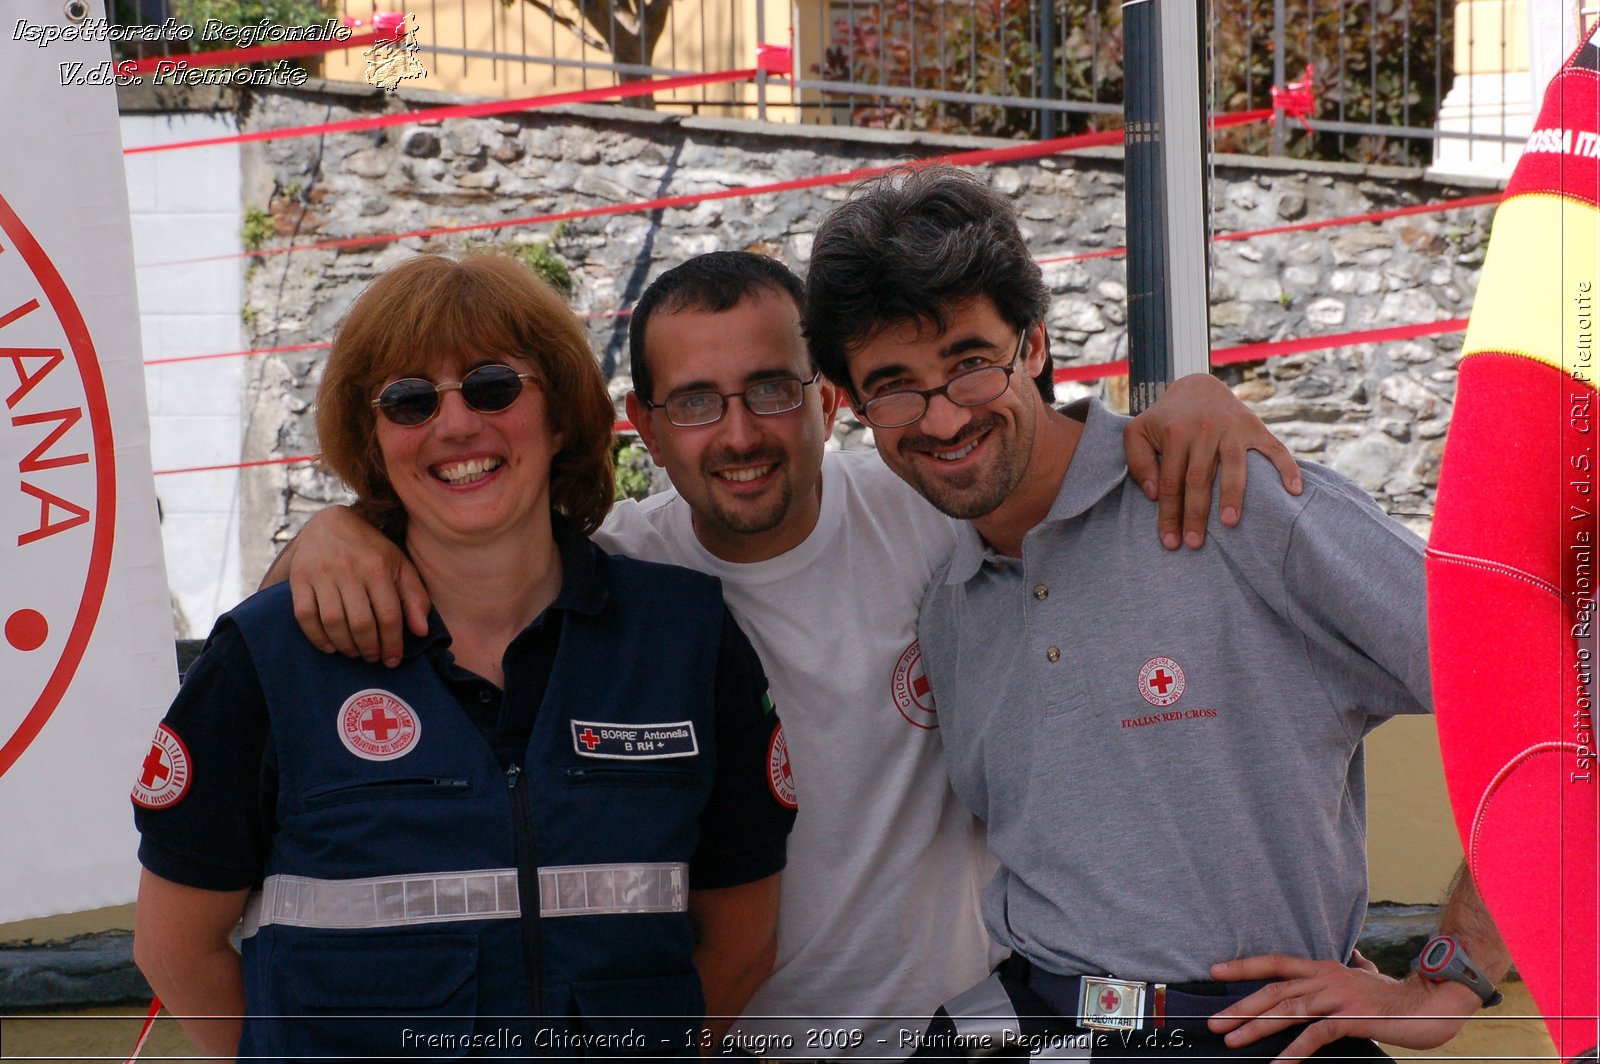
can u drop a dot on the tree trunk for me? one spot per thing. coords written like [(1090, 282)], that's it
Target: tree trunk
[(629, 33)]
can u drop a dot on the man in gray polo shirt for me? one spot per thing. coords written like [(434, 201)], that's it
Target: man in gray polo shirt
[(1166, 748)]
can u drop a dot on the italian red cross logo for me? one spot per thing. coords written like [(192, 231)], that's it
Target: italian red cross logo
[(155, 767), (911, 691), (377, 725), (1110, 1000), (1161, 681), (780, 777), (164, 775), (589, 738)]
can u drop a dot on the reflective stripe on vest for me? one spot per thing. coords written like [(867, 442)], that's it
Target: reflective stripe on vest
[(485, 894)]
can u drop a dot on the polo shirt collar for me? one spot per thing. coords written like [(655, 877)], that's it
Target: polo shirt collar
[(1099, 464), (585, 587)]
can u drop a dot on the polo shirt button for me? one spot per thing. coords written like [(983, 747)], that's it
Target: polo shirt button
[(485, 696), (1054, 654), (1041, 592)]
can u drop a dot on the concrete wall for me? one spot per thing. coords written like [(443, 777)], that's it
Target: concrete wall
[(187, 204)]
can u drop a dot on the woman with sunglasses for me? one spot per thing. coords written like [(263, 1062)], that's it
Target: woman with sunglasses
[(527, 837)]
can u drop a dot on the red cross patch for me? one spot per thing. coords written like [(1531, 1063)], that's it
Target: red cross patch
[(1161, 681), (377, 725), (164, 775), (912, 694), (779, 775)]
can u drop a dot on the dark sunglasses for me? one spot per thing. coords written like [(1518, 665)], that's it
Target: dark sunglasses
[(414, 401)]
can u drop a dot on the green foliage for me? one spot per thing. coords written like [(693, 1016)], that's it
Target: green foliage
[(197, 13), (257, 228), (540, 257), (632, 464), (980, 46), (1376, 62), (544, 262)]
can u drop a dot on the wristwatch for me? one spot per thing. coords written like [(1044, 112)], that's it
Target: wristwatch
[(1443, 960)]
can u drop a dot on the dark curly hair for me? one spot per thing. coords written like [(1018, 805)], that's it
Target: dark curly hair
[(908, 247)]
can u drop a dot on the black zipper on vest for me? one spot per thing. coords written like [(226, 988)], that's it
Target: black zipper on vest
[(527, 889)]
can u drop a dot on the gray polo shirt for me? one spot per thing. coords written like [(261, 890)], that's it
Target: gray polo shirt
[(1166, 746)]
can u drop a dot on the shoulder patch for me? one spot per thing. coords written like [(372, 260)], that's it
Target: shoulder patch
[(779, 776), (165, 776)]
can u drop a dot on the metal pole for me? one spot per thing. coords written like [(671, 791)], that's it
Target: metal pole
[(1047, 66), (1168, 305), (1279, 17), (761, 76)]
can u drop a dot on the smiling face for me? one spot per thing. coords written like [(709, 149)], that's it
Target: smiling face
[(965, 460), (753, 482), (467, 477)]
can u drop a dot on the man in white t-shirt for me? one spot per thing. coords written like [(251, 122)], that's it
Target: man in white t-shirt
[(824, 559)]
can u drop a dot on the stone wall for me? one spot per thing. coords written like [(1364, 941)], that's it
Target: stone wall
[(1375, 412)]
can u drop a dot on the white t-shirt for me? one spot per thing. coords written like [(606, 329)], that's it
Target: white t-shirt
[(879, 922)]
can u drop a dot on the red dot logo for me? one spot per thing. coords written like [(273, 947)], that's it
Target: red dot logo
[(27, 630)]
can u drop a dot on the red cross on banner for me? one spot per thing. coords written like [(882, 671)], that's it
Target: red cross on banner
[(589, 738)]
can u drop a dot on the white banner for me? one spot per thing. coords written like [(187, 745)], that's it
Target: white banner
[(86, 642)]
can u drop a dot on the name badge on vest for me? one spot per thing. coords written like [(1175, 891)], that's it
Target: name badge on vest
[(634, 742)]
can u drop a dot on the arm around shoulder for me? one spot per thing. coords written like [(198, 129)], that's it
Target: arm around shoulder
[(355, 591)]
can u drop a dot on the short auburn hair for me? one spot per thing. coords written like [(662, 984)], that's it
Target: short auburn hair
[(430, 309)]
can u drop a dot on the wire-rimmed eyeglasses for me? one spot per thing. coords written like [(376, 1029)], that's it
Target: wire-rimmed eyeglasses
[(894, 410), (414, 401), (778, 395)]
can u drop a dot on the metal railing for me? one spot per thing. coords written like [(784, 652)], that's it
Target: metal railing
[(1010, 68)]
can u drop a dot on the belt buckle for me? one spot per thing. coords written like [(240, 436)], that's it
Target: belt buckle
[(1110, 1004)]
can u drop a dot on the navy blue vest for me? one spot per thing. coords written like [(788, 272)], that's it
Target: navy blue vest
[(618, 769)]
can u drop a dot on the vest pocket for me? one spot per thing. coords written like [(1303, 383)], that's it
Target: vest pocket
[(655, 1015), (377, 996), (641, 776), (382, 790)]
